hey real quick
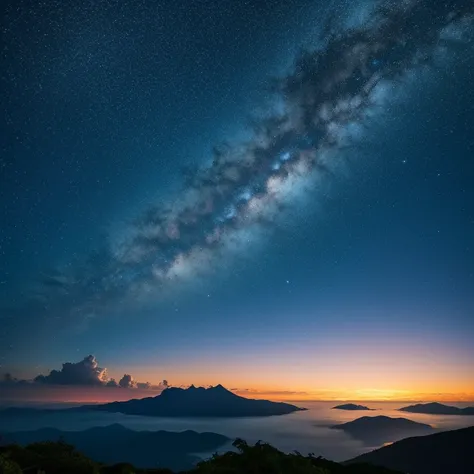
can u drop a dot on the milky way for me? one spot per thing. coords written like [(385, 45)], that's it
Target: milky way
[(324, 104)]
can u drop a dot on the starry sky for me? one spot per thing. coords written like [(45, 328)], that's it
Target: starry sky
[(273, 195)]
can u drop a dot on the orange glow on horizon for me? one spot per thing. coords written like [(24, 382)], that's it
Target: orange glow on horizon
[(360, 396), (288, 376), (74, 394), (372, 372)]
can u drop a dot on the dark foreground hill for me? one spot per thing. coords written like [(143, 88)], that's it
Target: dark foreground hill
[(441, 453), (377, 430), (197, 402), (437, 409), (61, 458), (115, 443)]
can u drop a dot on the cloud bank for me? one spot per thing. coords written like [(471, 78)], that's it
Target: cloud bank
[(325, 104), (86, 373)]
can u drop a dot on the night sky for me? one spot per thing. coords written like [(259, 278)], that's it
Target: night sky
[(273, 195)]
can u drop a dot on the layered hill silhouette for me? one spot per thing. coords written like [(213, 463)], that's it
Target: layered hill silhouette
[(197, 402), (437, 409), (178, 402), (62, 458), (440, 453), (115, 443), (351, 407), (377, 430)]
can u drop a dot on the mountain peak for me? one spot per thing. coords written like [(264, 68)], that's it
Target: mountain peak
[(216, 401), (219, 388)]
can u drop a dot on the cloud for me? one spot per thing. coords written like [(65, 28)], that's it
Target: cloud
[(326, 104), (276, 393), (8, 380), (85, 372), (127, 382), (149, 386)]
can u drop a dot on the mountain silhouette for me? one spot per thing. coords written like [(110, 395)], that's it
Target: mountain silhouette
[(377, 430), (440, 453), (24, 411), (437, 409), (196, 402), (115, 443), (351, 407)]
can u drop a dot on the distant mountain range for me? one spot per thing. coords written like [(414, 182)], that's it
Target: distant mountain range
[(437, 409), (351, 407), (377, 430), (441, 453), (197, 402), (177, 402), (115, 443)]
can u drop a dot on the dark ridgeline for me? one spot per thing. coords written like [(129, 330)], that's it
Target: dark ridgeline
[(437, 409), (178, 402), (24, 411), (351, 407), (115, 444), (197, 402), (449, 452), (377, 430), (441, 453), (61, 458)]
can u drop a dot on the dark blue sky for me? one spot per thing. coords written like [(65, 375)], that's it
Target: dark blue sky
[(110, 109)]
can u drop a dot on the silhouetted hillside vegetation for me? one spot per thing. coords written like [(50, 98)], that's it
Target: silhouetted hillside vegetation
[(440, 453), (114, 444), (62, 458)]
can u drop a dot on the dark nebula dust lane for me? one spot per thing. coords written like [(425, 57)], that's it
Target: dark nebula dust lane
[(324, 103)]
